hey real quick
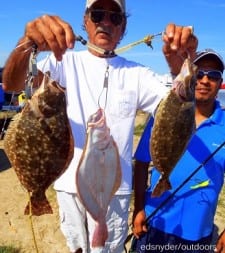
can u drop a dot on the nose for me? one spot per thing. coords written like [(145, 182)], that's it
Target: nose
[(106, 19), (204, 79)]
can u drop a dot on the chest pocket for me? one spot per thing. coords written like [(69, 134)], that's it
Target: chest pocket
[(123, 104)]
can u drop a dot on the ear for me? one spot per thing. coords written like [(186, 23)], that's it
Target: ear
[(85, 22), (220, 85), (124, 25), (221, 82)]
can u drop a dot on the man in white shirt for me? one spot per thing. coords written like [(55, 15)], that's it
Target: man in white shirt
[(130, 86)]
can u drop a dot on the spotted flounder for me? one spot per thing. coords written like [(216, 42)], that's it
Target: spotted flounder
[(39, 143), (99, 174), (173, 126)]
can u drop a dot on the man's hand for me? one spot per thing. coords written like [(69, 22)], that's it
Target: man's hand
[(179, 42), (220, 245), (139, 223), (50, 33)]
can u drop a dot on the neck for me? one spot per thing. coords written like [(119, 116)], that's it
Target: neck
[(203, 111), (95, 50), (105, 54)]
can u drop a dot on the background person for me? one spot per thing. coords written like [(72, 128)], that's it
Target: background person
[(186, 219)]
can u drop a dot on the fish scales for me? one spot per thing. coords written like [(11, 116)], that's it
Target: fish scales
[(39, 143), (99, 174), (173, 126)]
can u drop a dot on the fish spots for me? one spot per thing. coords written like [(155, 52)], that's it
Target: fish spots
[(39, 143), (173, 126)]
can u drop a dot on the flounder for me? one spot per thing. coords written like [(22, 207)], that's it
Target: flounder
[(173, 126), (99, 174), (39, 143)]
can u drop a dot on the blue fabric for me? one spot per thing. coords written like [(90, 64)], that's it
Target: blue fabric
[(190, 213), (1, 96), (142, 152), (156, 241)]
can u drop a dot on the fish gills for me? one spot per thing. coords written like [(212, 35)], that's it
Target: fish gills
[(39, 143), (99, 174), (173, 126)]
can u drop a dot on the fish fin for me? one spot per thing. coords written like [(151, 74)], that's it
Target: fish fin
[(162, 186), (39, 206)]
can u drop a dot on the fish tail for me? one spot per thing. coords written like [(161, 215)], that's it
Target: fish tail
[(100, 235), (162, 186), (38, 206)]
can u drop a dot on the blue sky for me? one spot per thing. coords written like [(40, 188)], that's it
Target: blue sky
[(146, 17)]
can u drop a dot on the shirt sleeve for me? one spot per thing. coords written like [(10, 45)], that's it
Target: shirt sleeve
[(142, 152)]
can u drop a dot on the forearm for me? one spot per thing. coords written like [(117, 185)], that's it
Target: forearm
[(140, 184), (16, 67)]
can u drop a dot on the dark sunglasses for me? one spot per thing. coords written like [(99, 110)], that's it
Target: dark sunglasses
[(98, 15), (213, 75)]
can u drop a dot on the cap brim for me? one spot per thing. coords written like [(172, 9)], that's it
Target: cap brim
[(216, 56)]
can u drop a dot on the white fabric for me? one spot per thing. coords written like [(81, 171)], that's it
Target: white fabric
[(131, 86), (121, 4), (73, 220)]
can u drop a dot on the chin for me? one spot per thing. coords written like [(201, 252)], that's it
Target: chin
[(105, 42), (202, 100), (105, 45)]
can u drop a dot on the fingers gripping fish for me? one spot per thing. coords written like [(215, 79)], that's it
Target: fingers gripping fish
[(99, 174), (173, 126)]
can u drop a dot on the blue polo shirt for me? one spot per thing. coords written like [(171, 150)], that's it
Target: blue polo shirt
[(190, 213), (142, 152)]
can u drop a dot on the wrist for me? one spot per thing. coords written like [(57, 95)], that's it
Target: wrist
[(139, 204)]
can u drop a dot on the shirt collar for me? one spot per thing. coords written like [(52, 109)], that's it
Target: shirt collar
[(218, 115)]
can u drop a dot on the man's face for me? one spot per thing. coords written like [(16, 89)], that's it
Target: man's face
[(104, 24), (207, 87)]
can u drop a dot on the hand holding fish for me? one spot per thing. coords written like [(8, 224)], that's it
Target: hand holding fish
[(178, 41), (51, 33), (139, 223), (220, 245)]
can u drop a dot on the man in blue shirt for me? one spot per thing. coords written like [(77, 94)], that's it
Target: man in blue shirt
[(185, 222)]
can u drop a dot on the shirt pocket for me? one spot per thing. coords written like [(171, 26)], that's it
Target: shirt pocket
[(123, 104)]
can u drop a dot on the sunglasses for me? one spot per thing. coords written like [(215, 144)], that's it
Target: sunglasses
[(213, 75), (97, 16)]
